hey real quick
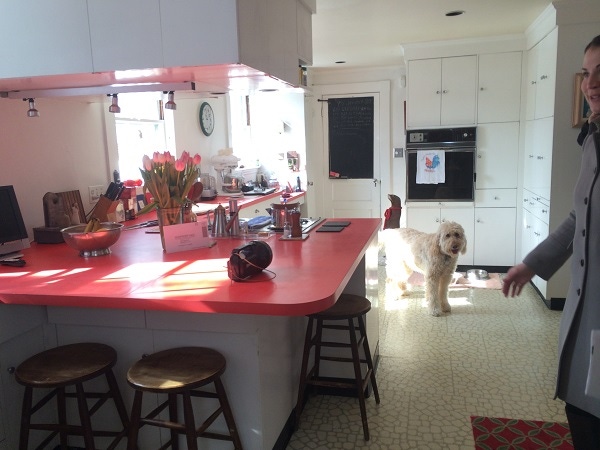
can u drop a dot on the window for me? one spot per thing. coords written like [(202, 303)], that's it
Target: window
[(141, 130)]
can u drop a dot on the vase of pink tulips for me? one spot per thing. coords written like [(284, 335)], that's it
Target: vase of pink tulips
[(173, 185)]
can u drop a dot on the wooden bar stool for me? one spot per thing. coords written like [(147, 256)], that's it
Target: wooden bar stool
[(63, 367), (180, 371), (348, 307)]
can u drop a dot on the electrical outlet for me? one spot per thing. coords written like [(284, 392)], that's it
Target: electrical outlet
[(398, 152), (95, 192)]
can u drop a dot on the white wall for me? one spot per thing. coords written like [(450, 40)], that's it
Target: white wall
[(62, 150)]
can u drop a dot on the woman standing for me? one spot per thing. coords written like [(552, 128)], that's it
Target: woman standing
[(578, 235)]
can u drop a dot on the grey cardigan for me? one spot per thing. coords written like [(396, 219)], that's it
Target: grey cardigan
[(578, 235)]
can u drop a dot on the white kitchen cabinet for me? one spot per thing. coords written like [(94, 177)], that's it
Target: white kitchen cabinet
[(125, 35), (494, 242), (497, 155), (442, 91), (499, 96), (541, 77), (203, 32), (534, 229), (47, 38), (537, 166), (428, 218), (304, 30), (262, 34)]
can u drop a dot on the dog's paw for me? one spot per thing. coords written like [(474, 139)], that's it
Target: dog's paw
[(435, 312), (446, 308)]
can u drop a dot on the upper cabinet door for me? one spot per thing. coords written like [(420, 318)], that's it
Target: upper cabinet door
[(459, 94), (499, 97), (200, 32), (48, 38), (442, 91), (125, 35), (424, 92)]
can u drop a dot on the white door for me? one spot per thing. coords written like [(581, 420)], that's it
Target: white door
[(358, 192)]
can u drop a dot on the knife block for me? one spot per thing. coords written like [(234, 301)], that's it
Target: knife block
[(105, 210)]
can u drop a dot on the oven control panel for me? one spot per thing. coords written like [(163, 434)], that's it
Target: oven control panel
[(442, 136)]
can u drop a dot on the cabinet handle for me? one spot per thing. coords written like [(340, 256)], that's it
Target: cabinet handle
[(479, 155), (496, 198), (482, 89), (544, 77), (544, 211), (309, 183), (531, 156), (478, 220), (445, 91), (437, 92), (540, 157), (534, 82)]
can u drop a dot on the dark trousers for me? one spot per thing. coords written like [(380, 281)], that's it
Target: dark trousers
[(585, 428)]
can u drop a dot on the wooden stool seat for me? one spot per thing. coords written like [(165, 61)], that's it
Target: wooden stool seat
[(349, 308), (59, 368), (181, 371)]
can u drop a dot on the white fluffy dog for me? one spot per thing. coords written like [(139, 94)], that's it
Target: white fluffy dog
[(434, 255)]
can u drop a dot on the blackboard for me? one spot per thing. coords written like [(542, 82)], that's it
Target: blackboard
[(351, 133)]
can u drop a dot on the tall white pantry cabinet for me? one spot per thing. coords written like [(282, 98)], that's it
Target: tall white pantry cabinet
[(490, 99)]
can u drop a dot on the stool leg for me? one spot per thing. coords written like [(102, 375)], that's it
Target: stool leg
[(228, 414), (318, 340), (25, 418), (84, 416), (363, 332), (358, 376), (190, 423), (62, 416), (173, 417), (303, 370), (134, 424), (116, 395)]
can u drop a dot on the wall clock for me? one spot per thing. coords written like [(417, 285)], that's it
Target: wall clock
[(207, 119)]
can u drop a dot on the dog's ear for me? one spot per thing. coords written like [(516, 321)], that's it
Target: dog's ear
[(464, 250)]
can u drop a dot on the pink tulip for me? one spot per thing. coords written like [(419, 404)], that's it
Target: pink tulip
[(179, 165), (147, 163), (197, 159), (185, 156), (168, 157), (156, 157)]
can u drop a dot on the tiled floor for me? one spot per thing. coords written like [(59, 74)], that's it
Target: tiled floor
[(491, 356)]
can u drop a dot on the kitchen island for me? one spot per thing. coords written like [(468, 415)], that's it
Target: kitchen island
[(141, 300)]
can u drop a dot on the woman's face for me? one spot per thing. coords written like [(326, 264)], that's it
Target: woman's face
[(590, 86)]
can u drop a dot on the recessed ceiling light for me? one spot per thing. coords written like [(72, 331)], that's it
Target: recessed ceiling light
[(454, 13)]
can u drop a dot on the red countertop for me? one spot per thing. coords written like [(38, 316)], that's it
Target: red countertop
[(309, 275)]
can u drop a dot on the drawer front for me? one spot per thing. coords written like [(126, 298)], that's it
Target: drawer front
[(537, 206), (495, 198)]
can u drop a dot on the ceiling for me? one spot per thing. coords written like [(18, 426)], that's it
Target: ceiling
[(372, 32)]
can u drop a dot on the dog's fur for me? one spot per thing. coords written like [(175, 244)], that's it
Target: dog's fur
[(434, 255)]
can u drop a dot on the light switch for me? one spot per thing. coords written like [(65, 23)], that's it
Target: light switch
[(398, 152)]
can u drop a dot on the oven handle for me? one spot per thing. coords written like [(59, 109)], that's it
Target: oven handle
[(440, 147)]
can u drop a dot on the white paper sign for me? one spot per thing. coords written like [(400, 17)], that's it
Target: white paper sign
[(592, 387), (187, 236)]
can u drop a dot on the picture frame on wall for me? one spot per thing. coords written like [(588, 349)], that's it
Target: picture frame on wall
[(581, 109)]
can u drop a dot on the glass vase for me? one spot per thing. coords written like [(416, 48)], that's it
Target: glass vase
[(167, 217)]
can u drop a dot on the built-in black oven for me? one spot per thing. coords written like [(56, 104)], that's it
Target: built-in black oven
[(440, 164)]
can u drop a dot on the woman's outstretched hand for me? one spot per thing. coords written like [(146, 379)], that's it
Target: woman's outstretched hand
[(517, 277)]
